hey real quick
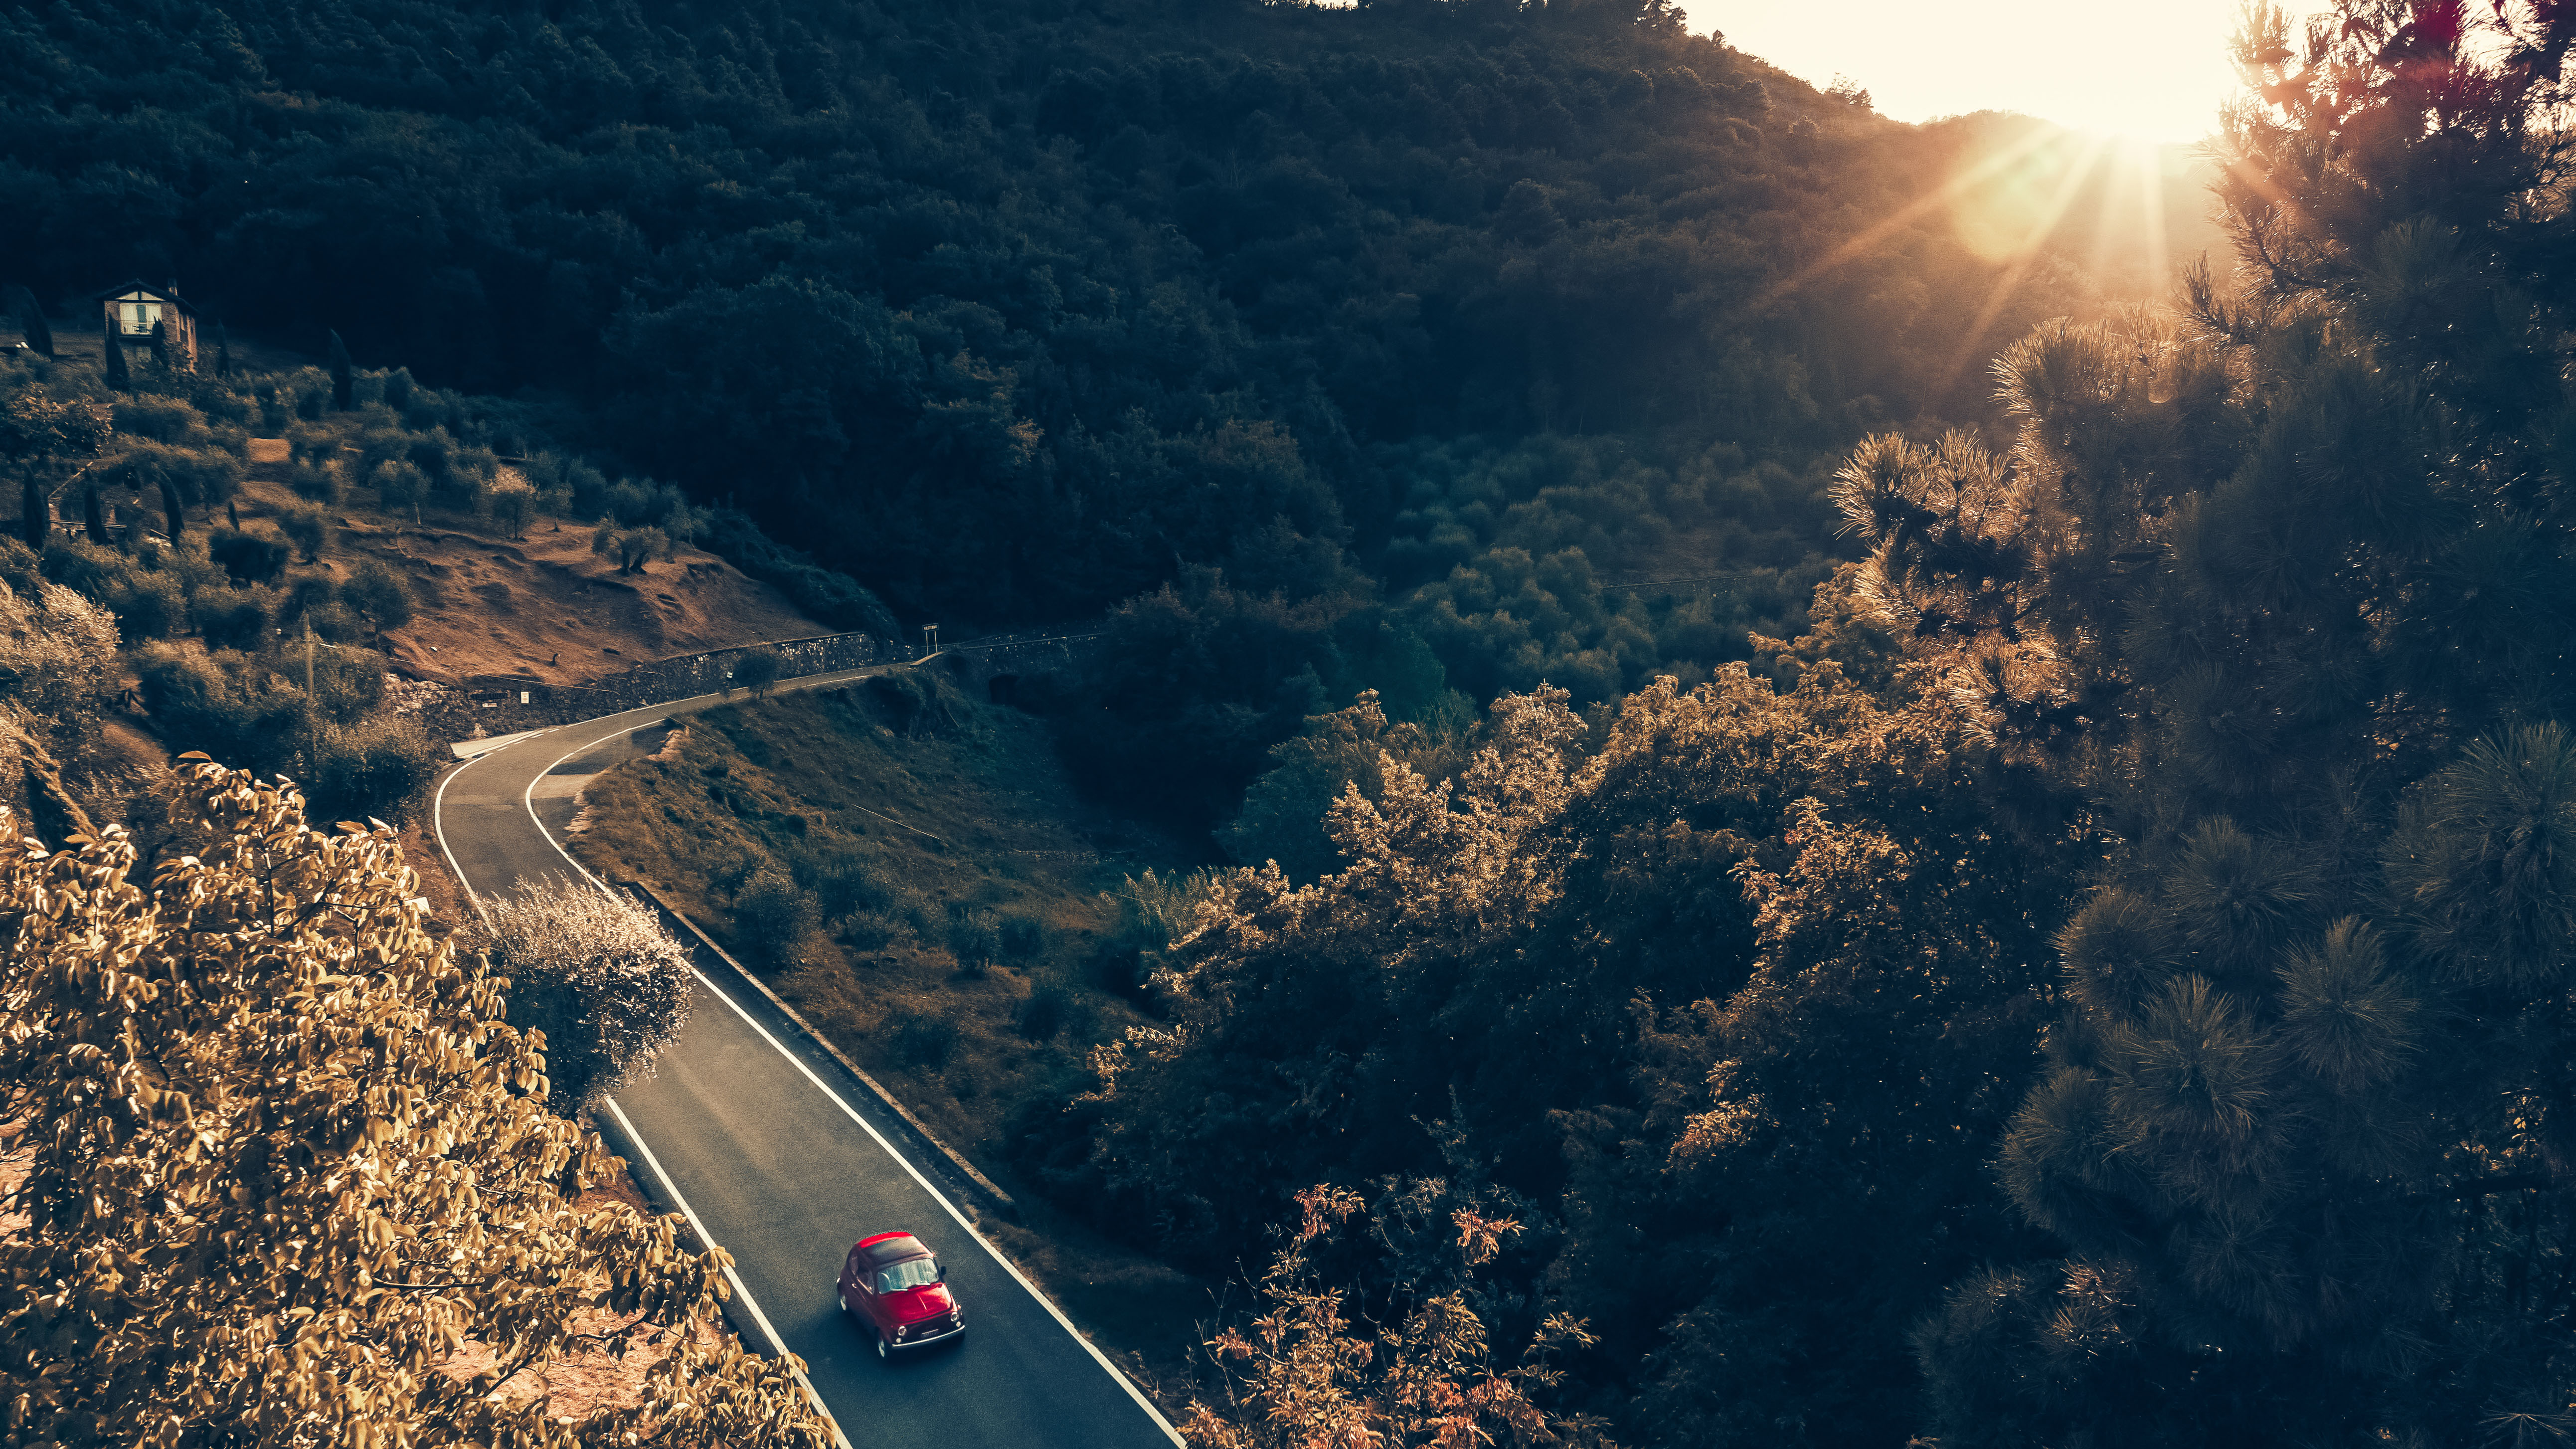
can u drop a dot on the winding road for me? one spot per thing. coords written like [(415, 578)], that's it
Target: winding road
[(774, 1150)]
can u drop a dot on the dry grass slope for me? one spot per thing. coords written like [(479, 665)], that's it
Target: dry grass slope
[(911, 870)]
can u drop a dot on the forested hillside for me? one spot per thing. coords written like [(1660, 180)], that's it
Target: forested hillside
[(1850, 831), (2145, 1008), (1466, 316)]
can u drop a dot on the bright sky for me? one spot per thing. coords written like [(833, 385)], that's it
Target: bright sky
[(2155, 72)]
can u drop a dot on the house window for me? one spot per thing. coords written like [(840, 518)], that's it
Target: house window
[(137, 317)]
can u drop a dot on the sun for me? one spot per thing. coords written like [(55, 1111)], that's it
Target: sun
[(2015, 190)]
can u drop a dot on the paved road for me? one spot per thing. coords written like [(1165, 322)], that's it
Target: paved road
[(777, 1154)]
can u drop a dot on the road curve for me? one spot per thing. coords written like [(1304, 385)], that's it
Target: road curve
[(772, 1150)]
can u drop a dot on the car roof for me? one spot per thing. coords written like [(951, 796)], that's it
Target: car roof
[(887, 1248)]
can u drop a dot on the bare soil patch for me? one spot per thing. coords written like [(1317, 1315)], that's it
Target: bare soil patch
[(543, 607)]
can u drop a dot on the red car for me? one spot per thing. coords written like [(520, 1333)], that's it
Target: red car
[(893, 1285)]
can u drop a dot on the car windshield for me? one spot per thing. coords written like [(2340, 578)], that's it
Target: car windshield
[(913, 1273)]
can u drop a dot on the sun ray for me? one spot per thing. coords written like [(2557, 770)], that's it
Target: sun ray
[(2151, 195), (2001, 293), (1942, 195)]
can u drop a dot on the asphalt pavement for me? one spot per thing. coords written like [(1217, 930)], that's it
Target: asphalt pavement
[(777, 1153)]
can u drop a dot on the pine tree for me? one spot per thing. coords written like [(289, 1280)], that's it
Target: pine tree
[(342, 378), (163, 363), (94, 517), (31, 322), (112, 363), (2279, 593), (172, 509)]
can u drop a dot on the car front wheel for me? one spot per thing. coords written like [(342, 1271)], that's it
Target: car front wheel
[(882, 1349)]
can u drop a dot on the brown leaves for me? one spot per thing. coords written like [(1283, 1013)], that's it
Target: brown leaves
[(1306, 1377), (287, 1162)]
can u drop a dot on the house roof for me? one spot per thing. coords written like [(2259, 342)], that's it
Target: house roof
[(167, 296)]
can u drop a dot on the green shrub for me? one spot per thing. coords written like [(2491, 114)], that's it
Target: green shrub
[(1023, 937), (1045, 1012), (378, 594), (186, 561), (400, 484), (757, 670), (248, 557), (203, 476), (426, 409), (161, 419), (471, 472), (514, 507), (314, 482), (308, 594), (147, 605), (845, 887), (432, 452), (305, 528), (922, 1041), (217, 401), (235, 709), (231, 618), (82, 566), (973, 940), (348, 684), (836, 599), (337, 623), (774, 917), (865, 931), (380, 767)]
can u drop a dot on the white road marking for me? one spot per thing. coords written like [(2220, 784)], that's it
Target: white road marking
[(438, 827), (527, 799), (476, 749), (741, 1291)]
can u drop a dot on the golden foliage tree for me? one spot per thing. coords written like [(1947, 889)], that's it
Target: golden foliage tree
[(1308, 1377), (288, 1162)]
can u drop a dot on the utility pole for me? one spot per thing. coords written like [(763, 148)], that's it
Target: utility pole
[(312, 705)]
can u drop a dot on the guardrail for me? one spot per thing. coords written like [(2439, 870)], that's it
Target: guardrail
[(499, 704)]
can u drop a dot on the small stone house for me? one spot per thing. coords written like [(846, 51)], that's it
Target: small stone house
[(134, 307)]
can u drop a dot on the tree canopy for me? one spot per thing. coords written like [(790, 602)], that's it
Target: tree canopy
[(289, 1163)]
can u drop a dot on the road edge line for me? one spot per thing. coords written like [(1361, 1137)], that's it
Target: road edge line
[(986, 1184), (742, 1293), (1117, 1374), (964, 1223), (438, 829)]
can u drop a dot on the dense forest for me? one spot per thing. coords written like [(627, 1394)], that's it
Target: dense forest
[(1450, 324), (1911, 838)]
